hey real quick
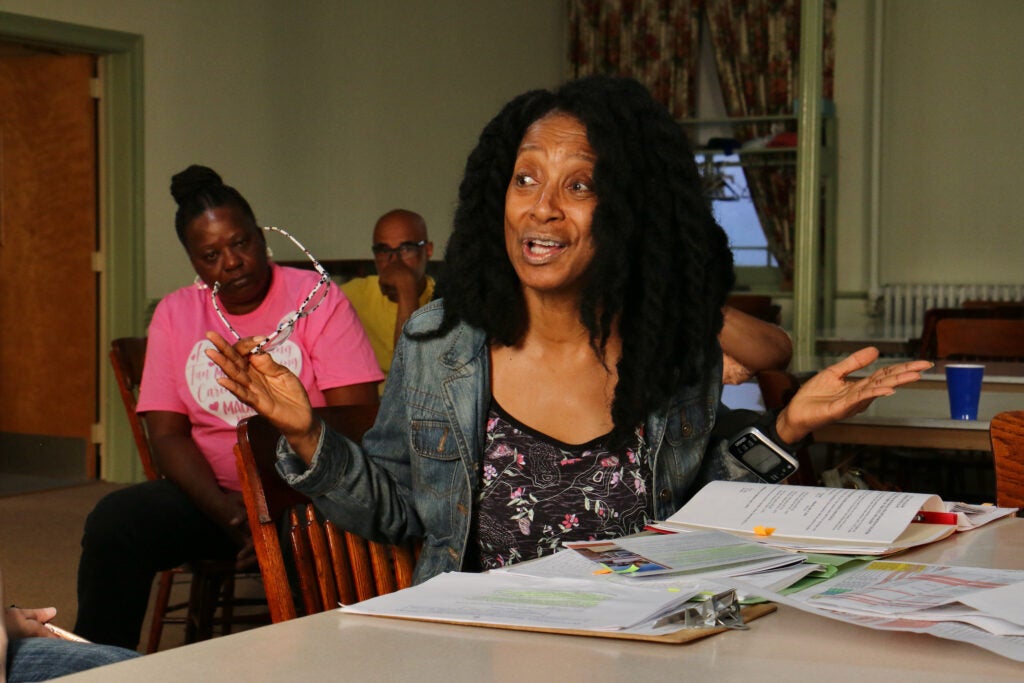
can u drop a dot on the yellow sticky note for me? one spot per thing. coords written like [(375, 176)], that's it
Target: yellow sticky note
[(764, 530)]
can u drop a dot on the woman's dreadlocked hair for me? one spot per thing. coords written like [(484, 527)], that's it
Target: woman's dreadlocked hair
[(662, 265)]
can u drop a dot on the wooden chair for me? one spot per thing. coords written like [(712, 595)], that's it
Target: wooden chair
[(980, 339), (212, 582), (926, 345), (127, 356), (1007, 433), (777, 388), (331, 565)]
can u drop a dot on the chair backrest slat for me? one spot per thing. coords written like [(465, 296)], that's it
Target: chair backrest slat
[(359, 555), (383, 568), (328, 591), (305, 567), (342, 564), (127, 356)]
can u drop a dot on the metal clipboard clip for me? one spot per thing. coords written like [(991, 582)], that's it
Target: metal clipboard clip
[(721, 610)]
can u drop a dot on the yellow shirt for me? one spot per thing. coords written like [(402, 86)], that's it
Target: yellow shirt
[(377, 313)]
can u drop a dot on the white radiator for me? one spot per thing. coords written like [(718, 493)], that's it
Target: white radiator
[(904, 305)]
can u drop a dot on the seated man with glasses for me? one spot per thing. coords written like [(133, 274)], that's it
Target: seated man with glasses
[(385, 301)]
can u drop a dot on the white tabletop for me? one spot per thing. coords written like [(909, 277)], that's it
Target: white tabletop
[(931, 408), (920, 419), (787, 645), (997, 373)]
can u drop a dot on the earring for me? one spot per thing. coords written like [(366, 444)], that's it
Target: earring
[(198, 282), (270, 252)]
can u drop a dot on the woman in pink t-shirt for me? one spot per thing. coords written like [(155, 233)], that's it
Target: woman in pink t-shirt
[(196, 510)]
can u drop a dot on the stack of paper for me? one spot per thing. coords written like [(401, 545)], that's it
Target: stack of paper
[(972, 516), (523, 600), (571, 590), (984, 607), (816, 519)]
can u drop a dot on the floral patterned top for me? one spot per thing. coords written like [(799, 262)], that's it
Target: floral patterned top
[(538, 492)]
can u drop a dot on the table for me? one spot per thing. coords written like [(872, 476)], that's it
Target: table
[(787, 645), (917, 415), (918, 418), (999, 375)]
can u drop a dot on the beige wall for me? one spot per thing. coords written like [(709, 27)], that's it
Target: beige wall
[(323, 113), (953, 167), (952, 153), (328, 114)]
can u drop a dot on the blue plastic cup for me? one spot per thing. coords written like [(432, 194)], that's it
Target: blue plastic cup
[(964, 385)]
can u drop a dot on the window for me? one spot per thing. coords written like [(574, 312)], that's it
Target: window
[(734, 209)]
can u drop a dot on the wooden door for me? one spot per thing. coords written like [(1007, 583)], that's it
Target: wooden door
[(48, 233)]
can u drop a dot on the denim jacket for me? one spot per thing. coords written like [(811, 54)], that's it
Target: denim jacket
[(418, 471)]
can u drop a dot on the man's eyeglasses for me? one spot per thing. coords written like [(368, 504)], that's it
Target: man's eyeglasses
[(287, 324), (403, 249)]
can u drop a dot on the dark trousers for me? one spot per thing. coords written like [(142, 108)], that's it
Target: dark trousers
[(130, 536)]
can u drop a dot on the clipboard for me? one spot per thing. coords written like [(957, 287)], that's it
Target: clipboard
[(681, 635)]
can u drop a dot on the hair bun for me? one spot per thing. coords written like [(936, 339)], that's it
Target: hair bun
[(192, 180)]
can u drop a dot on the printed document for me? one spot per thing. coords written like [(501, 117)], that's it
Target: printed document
[(814, 518), (519, 600), (968, 604)]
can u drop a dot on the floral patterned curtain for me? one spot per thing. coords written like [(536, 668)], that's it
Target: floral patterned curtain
[(756, 44), (757, 50), (654, 41)]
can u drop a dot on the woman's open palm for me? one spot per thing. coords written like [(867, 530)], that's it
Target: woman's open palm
[(830, 396)]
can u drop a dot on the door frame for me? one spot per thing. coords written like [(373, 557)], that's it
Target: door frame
[(121, 208)]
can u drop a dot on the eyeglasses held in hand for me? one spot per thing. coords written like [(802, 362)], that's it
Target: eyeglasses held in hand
[(287, 324), (403, 249)]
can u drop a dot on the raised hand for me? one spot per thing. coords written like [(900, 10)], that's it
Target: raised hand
[(270, 389), (829, 396)]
